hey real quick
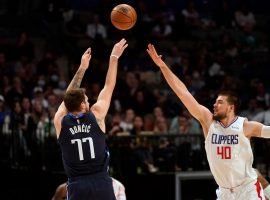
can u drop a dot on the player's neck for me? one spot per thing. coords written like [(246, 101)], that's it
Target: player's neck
[(76, 113), (228, 120)]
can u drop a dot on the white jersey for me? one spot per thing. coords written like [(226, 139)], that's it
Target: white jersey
[(229, 154), (119, 190)]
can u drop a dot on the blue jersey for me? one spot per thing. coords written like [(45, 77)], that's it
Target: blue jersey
[(83, 145)]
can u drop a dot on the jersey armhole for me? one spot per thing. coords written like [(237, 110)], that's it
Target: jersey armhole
[(91, 113)]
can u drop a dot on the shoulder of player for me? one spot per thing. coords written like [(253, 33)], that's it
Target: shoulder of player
[(58, 123), (207, 118), (251, 128), (100, 122)]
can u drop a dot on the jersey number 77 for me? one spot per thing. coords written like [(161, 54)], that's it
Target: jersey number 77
[(80, 149)]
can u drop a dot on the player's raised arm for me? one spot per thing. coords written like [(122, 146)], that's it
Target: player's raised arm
[(74, 84), (198, 111), (100, 108), (256, 129)]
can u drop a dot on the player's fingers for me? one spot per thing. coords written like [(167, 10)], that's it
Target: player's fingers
[(125, 46), (152, 48), (122, 41), (87, 51), (149, 52)]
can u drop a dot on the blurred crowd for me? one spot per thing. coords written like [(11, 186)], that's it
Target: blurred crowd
[(210, 46)]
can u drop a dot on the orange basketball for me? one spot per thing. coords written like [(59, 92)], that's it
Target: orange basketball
[(123, 16)]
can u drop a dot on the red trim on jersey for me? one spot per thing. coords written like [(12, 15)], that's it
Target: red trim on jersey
[(258, 189), (229, 124)]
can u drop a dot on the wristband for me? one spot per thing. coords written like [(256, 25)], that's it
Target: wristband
[(114, 56), (265, 132)]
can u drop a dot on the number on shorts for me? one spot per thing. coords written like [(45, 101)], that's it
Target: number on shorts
[(80, 149)]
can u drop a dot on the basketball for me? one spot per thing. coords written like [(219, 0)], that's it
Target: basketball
[(123, 16)]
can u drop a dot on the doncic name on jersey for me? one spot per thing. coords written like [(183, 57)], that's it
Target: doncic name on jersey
[(224, 139), (81, 128)]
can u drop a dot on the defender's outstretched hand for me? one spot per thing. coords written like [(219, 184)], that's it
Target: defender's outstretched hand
[(86, 59), (119, 48), (155, 57)]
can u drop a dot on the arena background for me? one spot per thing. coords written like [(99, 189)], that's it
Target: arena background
[(151, 136)]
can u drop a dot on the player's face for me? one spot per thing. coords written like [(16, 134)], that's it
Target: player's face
[(221, 108)]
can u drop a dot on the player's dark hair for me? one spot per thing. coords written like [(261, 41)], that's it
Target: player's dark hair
[(232, 99), (73, 99)]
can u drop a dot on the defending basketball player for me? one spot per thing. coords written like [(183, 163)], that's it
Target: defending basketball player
[(81, 133), (227, 137)]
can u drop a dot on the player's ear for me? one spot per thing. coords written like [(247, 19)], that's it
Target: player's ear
[(82, 106), (232, 107)]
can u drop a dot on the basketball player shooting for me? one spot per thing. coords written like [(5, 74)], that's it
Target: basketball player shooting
[(227, 138), (81, 133)]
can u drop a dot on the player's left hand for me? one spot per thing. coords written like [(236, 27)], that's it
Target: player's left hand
[(119, 48)]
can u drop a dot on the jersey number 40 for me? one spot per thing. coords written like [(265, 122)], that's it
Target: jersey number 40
[(225, 152), (80, 149)]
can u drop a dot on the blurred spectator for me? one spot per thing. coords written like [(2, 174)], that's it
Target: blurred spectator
[(174, 57), (26, 109), (149, 122), (131, 86), (115, 125), (262, 96), (19, 149), (4, 131), (263, 117), (25, 47), (39, 97), (161, 97), (2, 113), (144, 156), (137, 126), (161, 125), (184, 127), (95, 29), (127, 123), (223, 14), (162, 29), (184, 124), (68, 14), (16, 92), (197, 81), (4, 68), (52, 101), (142, 104), (252, 110), (158, 112), (244, 18), (191, 15), (165, 156), (47, 67), (194, 126)]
